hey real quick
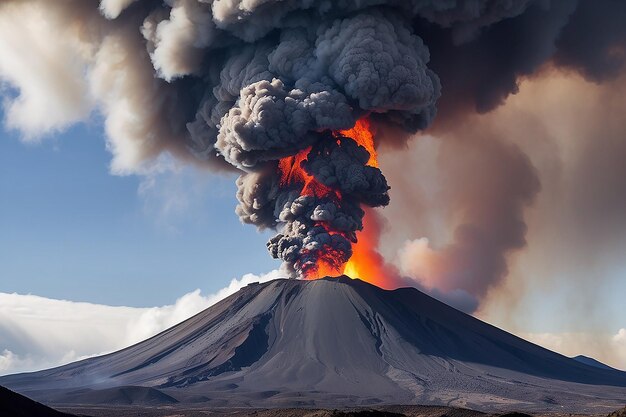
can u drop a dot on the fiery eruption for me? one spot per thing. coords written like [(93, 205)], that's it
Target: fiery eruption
[(366, 262), (292, 175), (363, 134), (359, 257)]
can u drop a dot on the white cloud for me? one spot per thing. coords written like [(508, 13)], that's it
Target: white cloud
[(49, 99), (606, 348), (38, 332), (113, 8), (9, 360), (90, 68)]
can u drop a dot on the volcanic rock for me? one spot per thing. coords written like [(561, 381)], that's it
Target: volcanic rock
[(618, 413)]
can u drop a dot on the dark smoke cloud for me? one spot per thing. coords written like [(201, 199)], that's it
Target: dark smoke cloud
[(495, 59), (343, 165), (241, 84), (479, 72), (594, 41)]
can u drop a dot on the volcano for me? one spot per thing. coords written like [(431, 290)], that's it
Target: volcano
[(334, 342)]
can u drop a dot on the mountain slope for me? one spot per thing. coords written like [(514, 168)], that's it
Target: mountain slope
[(592, 362), (338, 341), (16, 405)]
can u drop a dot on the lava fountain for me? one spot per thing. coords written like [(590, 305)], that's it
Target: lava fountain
[(362, 259)]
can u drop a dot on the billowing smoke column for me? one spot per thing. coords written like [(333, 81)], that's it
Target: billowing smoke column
[(274, 88), (293, 90), (315, 81)]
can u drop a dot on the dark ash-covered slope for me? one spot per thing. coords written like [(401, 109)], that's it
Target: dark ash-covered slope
[(593, 362), (333, 342), (13, 404)]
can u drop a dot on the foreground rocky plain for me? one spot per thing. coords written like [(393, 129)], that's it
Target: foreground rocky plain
[(387, 411), (16, 405)]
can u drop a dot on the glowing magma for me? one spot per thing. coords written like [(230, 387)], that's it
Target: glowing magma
[(366, 262)]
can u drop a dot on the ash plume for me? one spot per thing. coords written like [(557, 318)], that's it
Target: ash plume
[(251, 85), (487, 184)]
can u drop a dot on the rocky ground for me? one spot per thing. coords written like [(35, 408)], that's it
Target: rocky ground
[(388, 411), (16, 405)]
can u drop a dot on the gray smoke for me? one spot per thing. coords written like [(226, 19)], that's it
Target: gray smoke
[(239, 85), (323, 226)]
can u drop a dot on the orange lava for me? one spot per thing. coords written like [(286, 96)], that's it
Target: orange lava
[(291, 172), (363, 134), (325, 269), (366, 262)]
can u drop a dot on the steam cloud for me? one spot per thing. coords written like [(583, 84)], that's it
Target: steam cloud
[(242, 84)]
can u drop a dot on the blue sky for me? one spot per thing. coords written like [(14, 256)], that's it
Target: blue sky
[(71, 230)]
